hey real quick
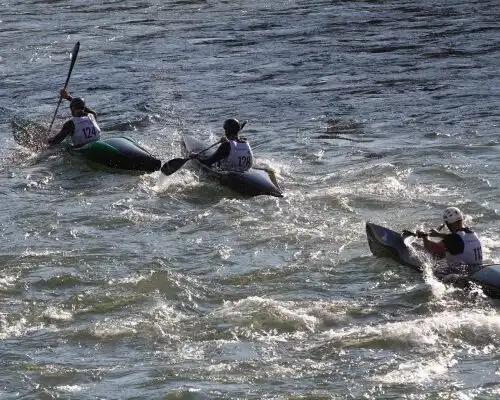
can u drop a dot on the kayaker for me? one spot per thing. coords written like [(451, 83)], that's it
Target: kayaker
[(461, 248), (82, 128), (234, 153)]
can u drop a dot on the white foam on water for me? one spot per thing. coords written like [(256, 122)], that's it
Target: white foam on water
[(132, 279), (490, 246), (163, 316), (70, 388), (16, 327), (8, 281), (418, 371), (11, 329), (390, 186), (280, 169), (39, 253), (223, 251), (446, 330), (192, 351), (110, 328), (179, 181), (57, 314), (274, 314), (140, 216), (438, 288)]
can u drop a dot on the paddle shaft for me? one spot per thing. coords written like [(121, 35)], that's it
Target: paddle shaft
[(208, 148), (74, 54), (260, 144), (410, 233)]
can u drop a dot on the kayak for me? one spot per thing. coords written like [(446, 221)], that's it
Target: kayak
[(254, 182), (384, 242), (118, 153)]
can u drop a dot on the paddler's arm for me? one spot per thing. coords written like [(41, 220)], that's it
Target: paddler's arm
[(222, 152), (65, 95), (435, 233), (66, 130), (436, 248)]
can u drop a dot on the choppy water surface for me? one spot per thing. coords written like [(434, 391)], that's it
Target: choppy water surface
[(115, 286)]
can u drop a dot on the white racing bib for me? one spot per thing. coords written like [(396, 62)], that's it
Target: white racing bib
[(472, 254), (240, 157), (86, 130)]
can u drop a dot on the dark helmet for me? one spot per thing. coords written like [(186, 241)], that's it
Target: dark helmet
[(78, 103), (232, 126)]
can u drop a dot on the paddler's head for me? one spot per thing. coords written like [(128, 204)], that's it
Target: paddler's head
[(453, 218), (77, 106), (231, 128)]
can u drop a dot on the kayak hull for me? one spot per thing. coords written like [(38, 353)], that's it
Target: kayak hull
[(119, 153), (384, 242), (254, 182)]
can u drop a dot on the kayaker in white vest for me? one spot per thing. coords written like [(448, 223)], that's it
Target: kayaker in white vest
[(461, 248), (82, 127), (234, 154)]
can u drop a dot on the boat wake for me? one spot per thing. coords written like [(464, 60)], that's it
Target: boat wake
[(30, 134), (438, 288)]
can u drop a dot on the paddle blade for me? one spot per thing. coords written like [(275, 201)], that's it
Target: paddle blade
[(74, 54), (173, 165)]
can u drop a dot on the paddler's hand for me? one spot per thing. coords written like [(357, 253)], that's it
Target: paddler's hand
[(223, 139), (422, 234), (407, 233), (64, 94), (434, 233)]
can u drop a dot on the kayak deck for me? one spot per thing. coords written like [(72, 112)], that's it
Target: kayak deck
[(384, 242), (118, 153), (254, 182)]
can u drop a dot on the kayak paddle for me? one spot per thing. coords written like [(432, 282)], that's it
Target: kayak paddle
[(175, 164), (409, 236), (74, 53)]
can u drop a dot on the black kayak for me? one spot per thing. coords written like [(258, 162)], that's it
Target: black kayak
[(384, 242), (119, 153), (254, 182)]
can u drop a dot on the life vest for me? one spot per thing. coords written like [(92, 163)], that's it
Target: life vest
[(86, 130), (472, 253), (240, 157)]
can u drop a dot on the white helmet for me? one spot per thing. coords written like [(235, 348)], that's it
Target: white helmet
[(452, 214)]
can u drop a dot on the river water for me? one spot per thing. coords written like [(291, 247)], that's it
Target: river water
[(117, 286)]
